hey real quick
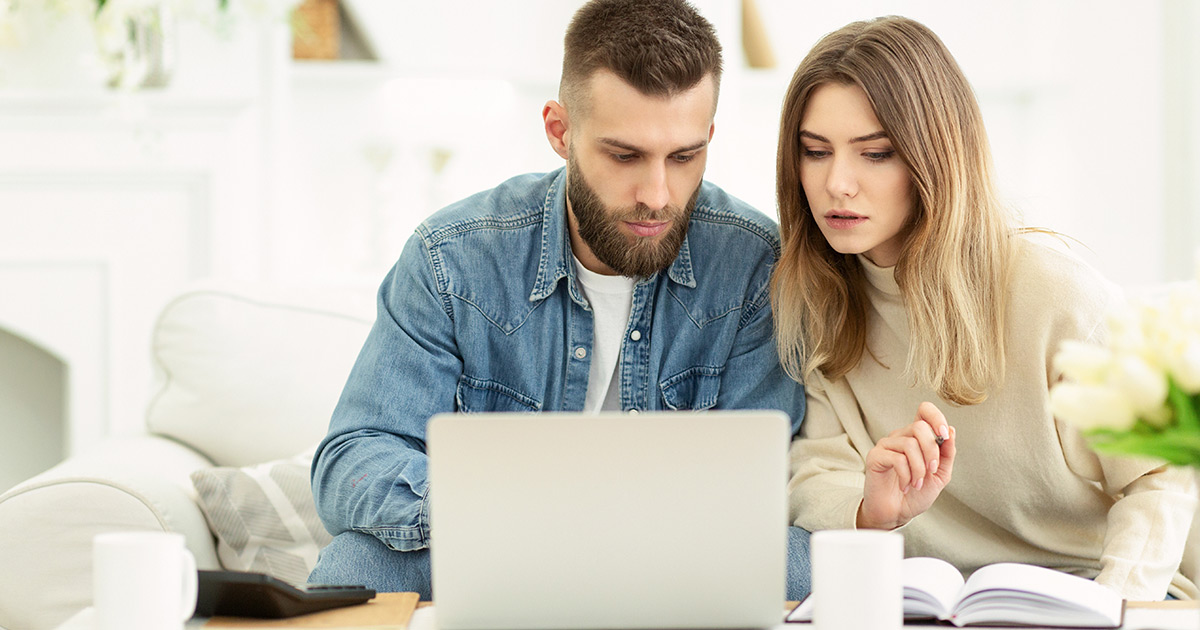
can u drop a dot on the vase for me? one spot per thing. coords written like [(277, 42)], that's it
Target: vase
[(141, 48)]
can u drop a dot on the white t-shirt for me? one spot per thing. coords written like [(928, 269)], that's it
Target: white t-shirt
[(611, 298)]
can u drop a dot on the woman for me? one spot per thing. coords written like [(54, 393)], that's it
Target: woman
[(924, 325)]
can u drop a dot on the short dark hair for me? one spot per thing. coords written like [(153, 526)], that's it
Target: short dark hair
[(660, 47)]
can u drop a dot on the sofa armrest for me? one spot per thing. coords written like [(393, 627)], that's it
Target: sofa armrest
[(47, 522)]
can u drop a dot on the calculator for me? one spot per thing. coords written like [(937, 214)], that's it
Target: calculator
[(248, 594)]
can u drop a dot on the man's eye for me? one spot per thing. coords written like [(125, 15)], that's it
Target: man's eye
[(684, 158), (623, 157)]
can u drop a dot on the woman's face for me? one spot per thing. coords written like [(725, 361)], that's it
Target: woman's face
[(859, 190)]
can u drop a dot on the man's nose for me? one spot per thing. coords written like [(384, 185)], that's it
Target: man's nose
[(653, 191)]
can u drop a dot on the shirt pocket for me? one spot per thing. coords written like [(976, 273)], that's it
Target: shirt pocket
[(692, 389), (478, 395)]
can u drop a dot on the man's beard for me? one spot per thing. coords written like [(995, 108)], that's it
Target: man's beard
[(600, 229)]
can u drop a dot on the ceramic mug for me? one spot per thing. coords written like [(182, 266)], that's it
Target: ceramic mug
[(856, 580), (143, 580)]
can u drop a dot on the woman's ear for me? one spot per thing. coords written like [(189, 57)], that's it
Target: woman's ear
[(557, 124)]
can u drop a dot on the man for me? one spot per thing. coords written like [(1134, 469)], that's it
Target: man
[(621, 282)]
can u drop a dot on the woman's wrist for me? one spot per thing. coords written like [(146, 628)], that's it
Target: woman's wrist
[(861, 521)]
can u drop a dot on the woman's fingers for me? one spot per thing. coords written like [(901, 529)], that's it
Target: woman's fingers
[(888, 459), (949, 450), (929, 414), (909, 460), (930, 450)]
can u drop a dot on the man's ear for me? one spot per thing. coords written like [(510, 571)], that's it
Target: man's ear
[(554, 116)]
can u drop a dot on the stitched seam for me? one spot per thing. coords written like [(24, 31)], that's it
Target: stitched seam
[(708, 214), (440, 235)]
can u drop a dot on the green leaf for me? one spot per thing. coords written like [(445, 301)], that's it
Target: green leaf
[(1176, 445), (1185, 407)]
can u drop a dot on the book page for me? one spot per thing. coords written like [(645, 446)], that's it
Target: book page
[(1021, 593), (931, 587)]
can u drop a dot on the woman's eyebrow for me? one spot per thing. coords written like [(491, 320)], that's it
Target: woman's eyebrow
[(867, 138)]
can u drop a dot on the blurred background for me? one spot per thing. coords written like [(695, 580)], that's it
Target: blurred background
[(156, 143)]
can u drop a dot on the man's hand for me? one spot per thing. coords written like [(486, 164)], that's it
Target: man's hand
[(907, 470)]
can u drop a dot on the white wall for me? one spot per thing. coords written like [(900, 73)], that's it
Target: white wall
[(1083, 101)]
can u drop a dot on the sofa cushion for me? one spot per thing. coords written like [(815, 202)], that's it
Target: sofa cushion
[(263, 517), (250, 375)]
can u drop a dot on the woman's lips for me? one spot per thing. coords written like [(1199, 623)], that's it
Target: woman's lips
[(843, 219), (648, 228)]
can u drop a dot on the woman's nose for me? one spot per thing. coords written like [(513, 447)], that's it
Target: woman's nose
[(842, 180)]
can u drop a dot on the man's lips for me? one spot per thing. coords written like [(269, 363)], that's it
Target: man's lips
[(647, 228), (843, 219)]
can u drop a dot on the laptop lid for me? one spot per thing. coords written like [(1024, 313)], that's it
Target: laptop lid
[(566, 520)]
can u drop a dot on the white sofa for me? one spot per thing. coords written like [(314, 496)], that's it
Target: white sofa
[(246, 376)]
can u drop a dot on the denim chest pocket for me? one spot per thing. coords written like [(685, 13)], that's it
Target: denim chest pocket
[(475, 395), (693, 389)]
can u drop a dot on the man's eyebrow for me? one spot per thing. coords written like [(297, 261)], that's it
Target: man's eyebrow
[(867, 138), (625, 146)]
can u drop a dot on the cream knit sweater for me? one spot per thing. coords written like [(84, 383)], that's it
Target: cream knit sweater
[(1025, 487)]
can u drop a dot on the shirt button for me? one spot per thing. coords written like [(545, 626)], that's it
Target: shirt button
[(580, 352), (633, 412), (635, 335)]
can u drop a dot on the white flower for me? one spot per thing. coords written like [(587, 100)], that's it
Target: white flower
[(1085, 363), (1091, 406), (1142, 385), (1185, 365)]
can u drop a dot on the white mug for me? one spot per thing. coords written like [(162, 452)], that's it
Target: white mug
[(142, 580), (856, 580)]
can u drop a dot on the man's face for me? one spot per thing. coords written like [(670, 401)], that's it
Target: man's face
[(634, 168)]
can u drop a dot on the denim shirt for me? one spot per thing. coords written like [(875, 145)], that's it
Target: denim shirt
[(483, 312)]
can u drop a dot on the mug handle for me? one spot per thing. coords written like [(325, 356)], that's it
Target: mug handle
[(190, 586)]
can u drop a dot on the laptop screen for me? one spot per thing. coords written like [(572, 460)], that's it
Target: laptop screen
[(566, 520)]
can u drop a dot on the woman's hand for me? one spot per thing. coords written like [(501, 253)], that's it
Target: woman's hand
[(907, 470)]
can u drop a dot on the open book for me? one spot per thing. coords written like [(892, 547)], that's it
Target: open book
[(1000, 594)]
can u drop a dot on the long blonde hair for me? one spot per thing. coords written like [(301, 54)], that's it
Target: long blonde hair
[(953, 266)]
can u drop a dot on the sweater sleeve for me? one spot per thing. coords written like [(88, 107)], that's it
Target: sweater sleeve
[(827, 466), (1147, 531)]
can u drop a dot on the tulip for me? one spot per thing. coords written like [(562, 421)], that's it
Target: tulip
[(1185, 366), (1144, 386), (1092, 406), (1083, 362)]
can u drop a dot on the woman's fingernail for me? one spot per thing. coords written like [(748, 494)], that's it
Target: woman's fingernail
[(933, 466)]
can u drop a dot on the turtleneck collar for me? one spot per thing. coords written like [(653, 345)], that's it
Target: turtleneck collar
[(882, 278)]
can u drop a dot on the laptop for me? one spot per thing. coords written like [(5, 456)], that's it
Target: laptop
[(574, 521)]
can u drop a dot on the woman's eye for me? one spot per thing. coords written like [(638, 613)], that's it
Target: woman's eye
[(815, 154), (879, 156)]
